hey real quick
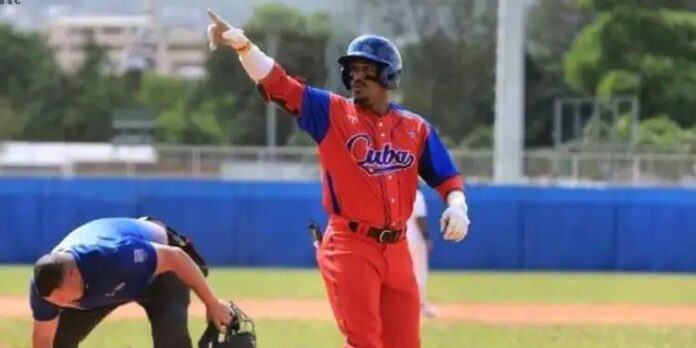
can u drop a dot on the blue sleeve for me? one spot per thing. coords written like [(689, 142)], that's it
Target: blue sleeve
[(41, 309), (135, 260), (314, 114), (436, 165)]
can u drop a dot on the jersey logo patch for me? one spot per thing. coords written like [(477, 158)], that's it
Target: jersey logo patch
[(118, 288), (139, 256), (378, 161)]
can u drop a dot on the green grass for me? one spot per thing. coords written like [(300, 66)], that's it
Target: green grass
[(599, 288), (136, 333), (323, 334), (447, 286), (443, 286)]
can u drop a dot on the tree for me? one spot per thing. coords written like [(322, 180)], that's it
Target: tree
[(26, 65), (551, 28), (480, 138), (656, 134), (49, 104), (688, 140), (639, 47), (660, 133), (300, 138), (95, 94), (28, 73), (609, 5), (13, 120), (448, 49), (453, 87)]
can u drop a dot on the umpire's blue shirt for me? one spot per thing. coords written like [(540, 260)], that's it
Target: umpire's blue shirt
[(115, 259)]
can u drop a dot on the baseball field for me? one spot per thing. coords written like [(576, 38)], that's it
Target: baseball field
[(487, 310)]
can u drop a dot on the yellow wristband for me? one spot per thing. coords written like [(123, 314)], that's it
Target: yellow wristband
[(245, 48)]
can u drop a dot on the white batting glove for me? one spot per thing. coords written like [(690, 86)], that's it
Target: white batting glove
[(222, 33), (454, 223)]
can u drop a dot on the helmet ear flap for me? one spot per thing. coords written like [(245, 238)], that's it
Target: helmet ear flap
[(390, 77), (345, 77)]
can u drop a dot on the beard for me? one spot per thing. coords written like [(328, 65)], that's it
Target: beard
[(362, 101)]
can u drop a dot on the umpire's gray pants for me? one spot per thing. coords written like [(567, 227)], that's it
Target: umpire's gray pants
[(165, 301)]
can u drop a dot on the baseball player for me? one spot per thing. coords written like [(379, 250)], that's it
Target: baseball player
[(372, 152), (420, 245), (108, 262)]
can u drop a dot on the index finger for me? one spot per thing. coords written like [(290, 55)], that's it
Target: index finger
[(216, 19), (222, 328), (444, 224)]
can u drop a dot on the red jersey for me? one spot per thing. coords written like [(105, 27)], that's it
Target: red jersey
[(370, 163)]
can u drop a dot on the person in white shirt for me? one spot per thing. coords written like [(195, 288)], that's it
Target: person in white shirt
[(420, 245)]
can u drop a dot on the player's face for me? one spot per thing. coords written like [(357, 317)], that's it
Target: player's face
[(69, 292), (364, 81)]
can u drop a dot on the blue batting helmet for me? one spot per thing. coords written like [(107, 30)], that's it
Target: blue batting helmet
[(376, 49)]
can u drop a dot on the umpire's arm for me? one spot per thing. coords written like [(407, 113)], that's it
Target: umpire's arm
[(173, 259), (43, 333), (45, 316)]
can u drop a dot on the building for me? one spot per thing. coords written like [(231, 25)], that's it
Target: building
[(131, 41)]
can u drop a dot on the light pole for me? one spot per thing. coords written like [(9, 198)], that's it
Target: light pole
[(510, 91), (272, 42)]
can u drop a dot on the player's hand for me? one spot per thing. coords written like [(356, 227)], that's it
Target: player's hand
[(219, 313), (221, 33), (454, 223)]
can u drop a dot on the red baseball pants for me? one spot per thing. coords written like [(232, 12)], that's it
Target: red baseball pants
[(371, 287)]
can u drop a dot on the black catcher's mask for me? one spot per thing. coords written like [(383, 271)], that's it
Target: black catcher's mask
[(240, 332)]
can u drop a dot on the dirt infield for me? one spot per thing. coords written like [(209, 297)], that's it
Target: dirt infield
[(458, 312)]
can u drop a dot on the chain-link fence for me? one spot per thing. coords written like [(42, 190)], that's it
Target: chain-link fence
[(544, 167)]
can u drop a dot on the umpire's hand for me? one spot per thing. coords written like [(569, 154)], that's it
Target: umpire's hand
[(219, 314)]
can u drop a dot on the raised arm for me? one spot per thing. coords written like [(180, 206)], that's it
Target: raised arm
[(310, 105)]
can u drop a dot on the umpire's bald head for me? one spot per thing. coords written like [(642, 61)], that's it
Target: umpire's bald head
[(50, 271)]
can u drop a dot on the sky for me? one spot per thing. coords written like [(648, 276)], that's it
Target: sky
[(31, 14)]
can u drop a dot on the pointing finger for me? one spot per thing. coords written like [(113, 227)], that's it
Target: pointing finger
[(217, 20)]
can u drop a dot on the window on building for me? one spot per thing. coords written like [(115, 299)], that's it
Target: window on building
[(87, 32), (113, 30)]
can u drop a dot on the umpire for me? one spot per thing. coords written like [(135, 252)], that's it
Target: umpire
[(108, 262)]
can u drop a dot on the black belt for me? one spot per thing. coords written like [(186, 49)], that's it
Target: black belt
[(381, 235)]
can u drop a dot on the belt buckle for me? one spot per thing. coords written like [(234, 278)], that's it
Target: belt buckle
[(383, 236)]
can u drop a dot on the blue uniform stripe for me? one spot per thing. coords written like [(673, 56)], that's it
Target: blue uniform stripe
[(314, 113), (334, 198), (435, 164)]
